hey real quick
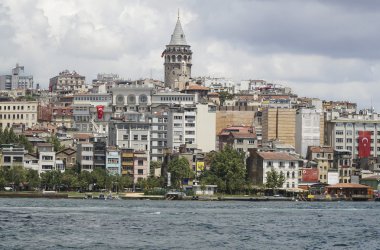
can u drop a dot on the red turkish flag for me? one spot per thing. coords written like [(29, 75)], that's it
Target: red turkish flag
[(364, 144), (100, 111)]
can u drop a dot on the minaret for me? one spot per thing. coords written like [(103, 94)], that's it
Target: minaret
[(177, 59)]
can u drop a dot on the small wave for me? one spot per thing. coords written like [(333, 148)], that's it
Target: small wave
[(155, 213)]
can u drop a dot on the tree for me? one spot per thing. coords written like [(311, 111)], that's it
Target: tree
[(56, 143), (32, 178), (223, 96), (153, 166), (16, 175), (227, 170), (179, 169), (274, 179)]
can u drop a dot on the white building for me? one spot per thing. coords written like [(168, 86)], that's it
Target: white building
[(46, 157), (280, 162), (85, 156), (342, 133), (18, 112), (174, 98), (182, 126), (307, 130), (206, 127), (17, 80)]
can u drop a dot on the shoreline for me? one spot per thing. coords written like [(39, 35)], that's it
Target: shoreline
[(141, 196)]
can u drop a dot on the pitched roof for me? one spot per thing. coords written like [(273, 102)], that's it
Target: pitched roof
[(372, 177), (178, 36), (276, 156), (196, 87), (347, 185), (319, 149)]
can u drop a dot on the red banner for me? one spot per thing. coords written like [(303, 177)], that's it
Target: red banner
[(310, 175), (364, 144), (100, 110)]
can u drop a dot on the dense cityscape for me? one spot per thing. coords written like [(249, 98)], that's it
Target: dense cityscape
[(199, 135)]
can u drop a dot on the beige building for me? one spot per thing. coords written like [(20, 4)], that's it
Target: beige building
[(18, 112), (68, 82), (279, 123)]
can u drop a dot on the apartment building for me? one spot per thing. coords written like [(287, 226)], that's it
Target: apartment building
[(85, 156), (141, 165), (241, 138), (262, 162), (343, 133), (46, 157), (158, 138), (309, 127), (132, 132), (113, 161), (18, 112), (67, 82), (182, 126), (12, 155)]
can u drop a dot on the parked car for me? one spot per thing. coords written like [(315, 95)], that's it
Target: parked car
[(8, 188)]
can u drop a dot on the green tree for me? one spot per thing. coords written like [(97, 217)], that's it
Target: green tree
[(223, 96), (3, 181), (70, 179), (100, 177), (85, 179), (56, 143), (227, 170), (25, 142), (274, 179), (153, 166), (16, 175), (179, 169), (33, 179), (6, 136), (12, 137)]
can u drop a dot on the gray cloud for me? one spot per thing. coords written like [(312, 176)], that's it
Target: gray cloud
[(317, 47)]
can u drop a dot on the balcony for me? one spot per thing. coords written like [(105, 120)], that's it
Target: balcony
[(130, 155), (127, 163)]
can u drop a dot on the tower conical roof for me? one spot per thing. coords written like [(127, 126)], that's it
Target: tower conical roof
[(178, 37)]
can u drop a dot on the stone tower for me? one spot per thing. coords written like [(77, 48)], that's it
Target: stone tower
[(177, 59)]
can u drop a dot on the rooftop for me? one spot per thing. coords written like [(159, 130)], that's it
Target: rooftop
[(276, 156), (347, 185)]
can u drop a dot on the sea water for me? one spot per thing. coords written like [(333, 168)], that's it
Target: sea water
[(144, 224)]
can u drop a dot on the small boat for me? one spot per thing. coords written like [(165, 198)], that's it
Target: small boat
[(102, 197)]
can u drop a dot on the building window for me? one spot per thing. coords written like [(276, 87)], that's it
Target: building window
[(144, 137), (269, 163), (125, 137), (339, 140), (136, 137), (140, 171)]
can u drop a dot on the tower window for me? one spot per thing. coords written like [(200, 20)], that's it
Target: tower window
[(173, 72)]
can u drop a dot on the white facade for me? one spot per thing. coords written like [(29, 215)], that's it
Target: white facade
[(288, 168), (182, 127), (307, 130), (85, 156), (174, 98), (206, 127), (343, 133), (18, 112)]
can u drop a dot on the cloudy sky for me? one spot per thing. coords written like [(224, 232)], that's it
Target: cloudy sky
[(327, 49)]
